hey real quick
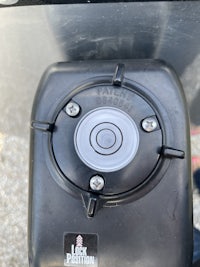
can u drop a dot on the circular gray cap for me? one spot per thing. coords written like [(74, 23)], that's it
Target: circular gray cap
[(106, 139)]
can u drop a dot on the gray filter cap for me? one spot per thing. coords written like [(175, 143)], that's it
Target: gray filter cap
[(106, 139)]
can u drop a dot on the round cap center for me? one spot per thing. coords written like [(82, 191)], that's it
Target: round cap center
[(106, 138)]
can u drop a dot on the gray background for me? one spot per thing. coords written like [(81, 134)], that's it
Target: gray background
[(31, 38)]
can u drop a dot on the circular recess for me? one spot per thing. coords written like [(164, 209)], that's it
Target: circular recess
[(117, 126), (106, 139)]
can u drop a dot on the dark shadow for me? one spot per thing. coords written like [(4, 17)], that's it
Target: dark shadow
[(196, 254)]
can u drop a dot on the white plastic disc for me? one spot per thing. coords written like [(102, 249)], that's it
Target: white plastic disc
[(106, 139)]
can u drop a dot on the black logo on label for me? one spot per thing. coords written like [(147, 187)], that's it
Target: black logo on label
[(80, 249)]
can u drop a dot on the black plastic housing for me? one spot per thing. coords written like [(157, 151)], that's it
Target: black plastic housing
[(147, 225)]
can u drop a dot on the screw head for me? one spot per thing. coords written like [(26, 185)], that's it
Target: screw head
[(72, 109), (149, 124), (96, 183)]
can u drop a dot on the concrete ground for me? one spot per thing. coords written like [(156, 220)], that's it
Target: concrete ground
[(19, 77), (20, 71)]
